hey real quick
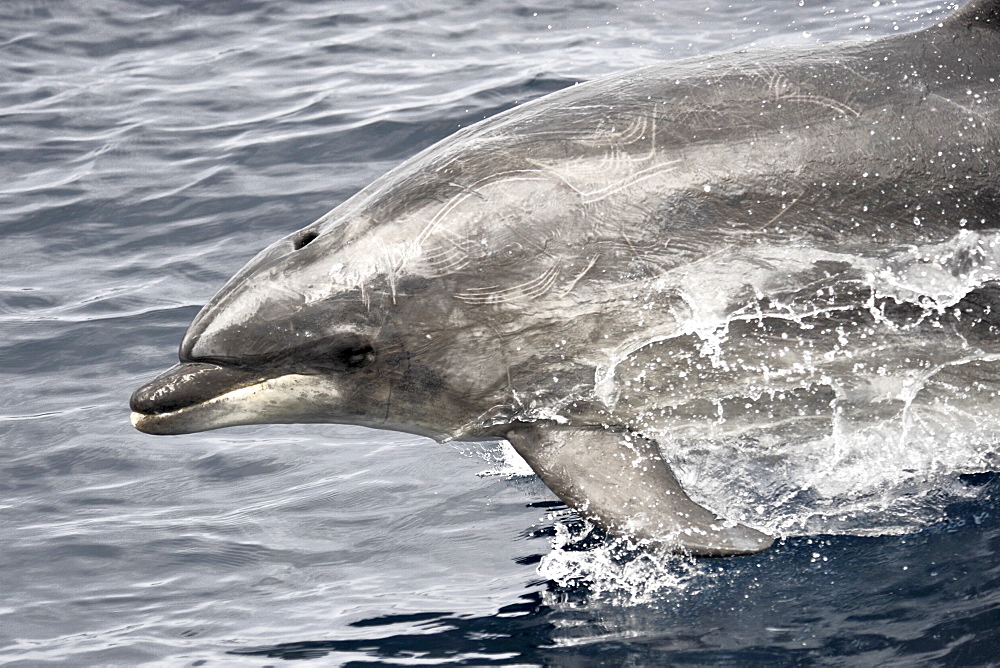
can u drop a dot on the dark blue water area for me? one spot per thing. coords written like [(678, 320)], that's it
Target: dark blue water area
[(149, 149)]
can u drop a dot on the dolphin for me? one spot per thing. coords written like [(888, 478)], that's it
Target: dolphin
[(725, 243)]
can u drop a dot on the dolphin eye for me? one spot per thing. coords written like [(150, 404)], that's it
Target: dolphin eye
[(338, 353), (356, 357)]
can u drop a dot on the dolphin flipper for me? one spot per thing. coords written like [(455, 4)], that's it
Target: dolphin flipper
[(620, 482)]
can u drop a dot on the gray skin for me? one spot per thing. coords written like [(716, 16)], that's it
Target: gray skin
[(509, 280)]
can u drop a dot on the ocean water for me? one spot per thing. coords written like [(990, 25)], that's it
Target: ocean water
[(147, 150)]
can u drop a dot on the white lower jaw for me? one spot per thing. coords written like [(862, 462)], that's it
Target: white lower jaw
[(281, 400)]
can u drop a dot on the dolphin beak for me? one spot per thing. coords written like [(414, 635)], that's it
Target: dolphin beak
[(194, 397)]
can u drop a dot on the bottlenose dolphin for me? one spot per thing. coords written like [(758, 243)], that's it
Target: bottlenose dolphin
[(723, 243)]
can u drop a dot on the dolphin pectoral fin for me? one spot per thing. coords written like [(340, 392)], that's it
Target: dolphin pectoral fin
[(620, 482)]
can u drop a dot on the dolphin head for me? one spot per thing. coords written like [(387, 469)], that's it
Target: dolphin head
[(326, 325), (432, 302)]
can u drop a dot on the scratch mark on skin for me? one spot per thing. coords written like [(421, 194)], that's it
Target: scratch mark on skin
[(641, 175), (448, 260), (824, 102), (470, 191), (628, 241), (433, 344), (861, 74), (652, 136), (467, 189), (450, 254), (502, 349), (785, 91), (396, 262), (432, 225), (709, 256), (634, 132), (779, 214), (969, 110), (572, 284), (615, 159), (551, 274), (638, 129), (590, 197), (650, 253), (531, 289), (390, 274)]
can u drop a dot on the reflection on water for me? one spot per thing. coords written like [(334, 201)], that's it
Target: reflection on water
[(731, 611)]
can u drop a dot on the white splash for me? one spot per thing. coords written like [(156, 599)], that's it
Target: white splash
[(615, 571), (849, 418)]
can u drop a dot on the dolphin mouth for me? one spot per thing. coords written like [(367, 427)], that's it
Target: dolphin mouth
[(189, 384), (193, 397)]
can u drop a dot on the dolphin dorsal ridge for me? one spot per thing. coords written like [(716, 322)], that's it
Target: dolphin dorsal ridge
[(976, 14)]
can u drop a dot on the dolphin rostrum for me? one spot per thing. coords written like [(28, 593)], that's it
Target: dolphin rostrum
[(748, 242)]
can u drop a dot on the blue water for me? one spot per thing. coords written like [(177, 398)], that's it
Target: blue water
[(147, 150)]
